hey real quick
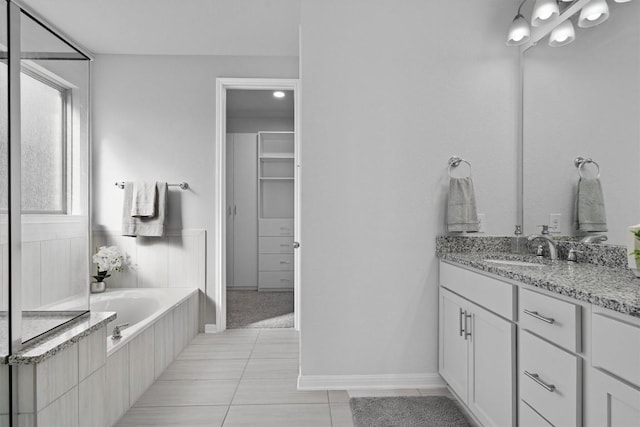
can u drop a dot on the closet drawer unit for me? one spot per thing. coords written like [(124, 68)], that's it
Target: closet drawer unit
[(555, 320), (275, 245), (278, 262), (530, 418), (608, 333), (492, 294), (276, 227), (550, 381), (275, 279)]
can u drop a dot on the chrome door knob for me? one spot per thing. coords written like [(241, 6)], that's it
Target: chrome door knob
[(296, 245)]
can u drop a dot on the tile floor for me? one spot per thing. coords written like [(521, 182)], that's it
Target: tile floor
[(243, 377)]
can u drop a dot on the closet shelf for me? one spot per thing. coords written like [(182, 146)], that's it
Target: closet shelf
[(276, 156), (276, 178)]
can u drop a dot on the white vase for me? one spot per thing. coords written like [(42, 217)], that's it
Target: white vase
[(98, 287)]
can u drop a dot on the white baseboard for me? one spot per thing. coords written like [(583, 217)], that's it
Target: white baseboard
[(210, 328), (370, 382)]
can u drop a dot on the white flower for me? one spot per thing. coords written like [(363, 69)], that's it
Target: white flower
[(109, 258)]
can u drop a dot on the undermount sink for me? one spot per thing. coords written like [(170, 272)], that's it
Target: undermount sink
[(514, 263)]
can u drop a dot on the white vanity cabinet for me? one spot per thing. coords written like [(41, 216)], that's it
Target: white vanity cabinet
[(477, 346), (612, 383)]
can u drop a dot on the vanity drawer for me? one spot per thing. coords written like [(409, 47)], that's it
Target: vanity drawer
[(275, 245), (492, 294), (275, 279), (276, 227), (556, 369), (555, 320), (608, 333), (277, 262), (530, 418)]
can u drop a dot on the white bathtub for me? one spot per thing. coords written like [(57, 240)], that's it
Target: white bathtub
[(140, 308)]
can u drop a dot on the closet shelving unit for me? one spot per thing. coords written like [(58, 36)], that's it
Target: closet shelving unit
[(276, 168)]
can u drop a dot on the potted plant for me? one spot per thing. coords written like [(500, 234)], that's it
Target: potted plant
[(634, 250), (107, 259)]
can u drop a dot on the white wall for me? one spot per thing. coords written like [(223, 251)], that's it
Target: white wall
[(154, 119), (390, 90)]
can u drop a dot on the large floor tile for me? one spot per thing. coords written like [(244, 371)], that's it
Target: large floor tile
[(216, 352), (274, 391), (226, 338), (338, 396), (271, 368), (275, 351), (204, 370), (341, 415), (314, 415), (190, 392), (278, 336), (185, 416)]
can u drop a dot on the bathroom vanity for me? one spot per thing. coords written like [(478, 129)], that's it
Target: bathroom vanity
[(526, 342)]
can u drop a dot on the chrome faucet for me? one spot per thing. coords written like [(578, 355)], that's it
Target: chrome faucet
[(553, 245), (596, 238), (117, 331)]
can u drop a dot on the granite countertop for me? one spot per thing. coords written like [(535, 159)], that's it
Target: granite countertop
[(66, 336), (612, 288)]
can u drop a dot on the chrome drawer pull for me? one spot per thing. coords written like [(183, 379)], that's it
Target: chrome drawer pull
[(460, 317), (536, 378), (284, 245), (539, 317), (467, 332), (285, 280)]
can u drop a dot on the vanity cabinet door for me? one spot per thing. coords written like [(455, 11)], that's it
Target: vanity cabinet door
[(492, 369), (611, 403), (453, 360)]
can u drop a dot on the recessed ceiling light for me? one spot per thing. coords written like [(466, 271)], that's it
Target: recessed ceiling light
[(278, 94)]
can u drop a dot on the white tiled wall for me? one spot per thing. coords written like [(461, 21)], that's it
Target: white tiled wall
[(175, 260)]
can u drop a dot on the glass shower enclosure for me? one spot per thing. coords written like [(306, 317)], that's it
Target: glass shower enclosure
[(44, 188)]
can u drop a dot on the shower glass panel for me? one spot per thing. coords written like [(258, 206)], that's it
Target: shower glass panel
[(5, 409), (54, 105)]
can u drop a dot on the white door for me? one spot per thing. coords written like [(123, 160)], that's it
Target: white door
[(229, 208), (245, 210), (492, 374), (453, 345)]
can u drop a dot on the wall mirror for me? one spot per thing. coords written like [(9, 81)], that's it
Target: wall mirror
[(583, 99)]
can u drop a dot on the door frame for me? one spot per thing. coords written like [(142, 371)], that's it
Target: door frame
[(220, 188)]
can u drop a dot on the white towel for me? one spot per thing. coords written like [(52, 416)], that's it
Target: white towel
[(590, 213), (143, 203), (461, 206), (144, 226)]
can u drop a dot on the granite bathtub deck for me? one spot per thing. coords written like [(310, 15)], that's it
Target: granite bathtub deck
[(612, 288)]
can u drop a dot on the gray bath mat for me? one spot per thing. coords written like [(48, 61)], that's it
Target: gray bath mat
[(426, 411)]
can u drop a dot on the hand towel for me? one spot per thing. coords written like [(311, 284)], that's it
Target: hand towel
[(144, 199), (144, 226), (461, 206), (590, 212)]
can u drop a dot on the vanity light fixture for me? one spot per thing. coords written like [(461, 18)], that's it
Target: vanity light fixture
[(519, 30), (622, 1), (544, 11), (593, 13), (278, 94), (563, 34)]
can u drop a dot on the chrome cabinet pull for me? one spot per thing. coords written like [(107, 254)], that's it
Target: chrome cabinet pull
[(284, 262), (467, 332), (229, 210), (536, 378), (460, 317), (539, 317), (235, 210)]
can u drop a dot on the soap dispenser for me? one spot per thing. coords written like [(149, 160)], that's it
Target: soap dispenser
[(518, 241)]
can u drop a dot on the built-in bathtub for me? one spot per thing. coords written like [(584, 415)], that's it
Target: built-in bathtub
[(138, 308), (162, 321)]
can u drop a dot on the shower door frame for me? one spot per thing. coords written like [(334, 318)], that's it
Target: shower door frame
[(219, 279)]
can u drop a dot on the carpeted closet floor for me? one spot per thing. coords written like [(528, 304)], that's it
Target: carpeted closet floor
[(253, 309)]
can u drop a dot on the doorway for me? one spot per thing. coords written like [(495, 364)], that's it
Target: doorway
[(257, 159)]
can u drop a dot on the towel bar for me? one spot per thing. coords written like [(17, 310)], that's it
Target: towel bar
[(182, 185), (580, 161), (454, 162)]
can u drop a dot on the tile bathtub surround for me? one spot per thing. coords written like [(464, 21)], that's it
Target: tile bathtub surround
[(592, 253), (612, 288)]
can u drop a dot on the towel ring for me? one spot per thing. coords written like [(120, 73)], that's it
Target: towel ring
[(454, 162), (579, 162)]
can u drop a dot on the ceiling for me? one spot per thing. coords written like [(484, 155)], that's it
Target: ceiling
[(259, 104), (177, 27)]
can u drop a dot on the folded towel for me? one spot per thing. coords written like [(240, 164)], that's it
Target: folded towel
[(143, 203), (590, 214), (461, 206), (144, 226)]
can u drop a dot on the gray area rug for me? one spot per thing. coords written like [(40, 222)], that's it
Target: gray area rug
[(253, 309), (426, 411)]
